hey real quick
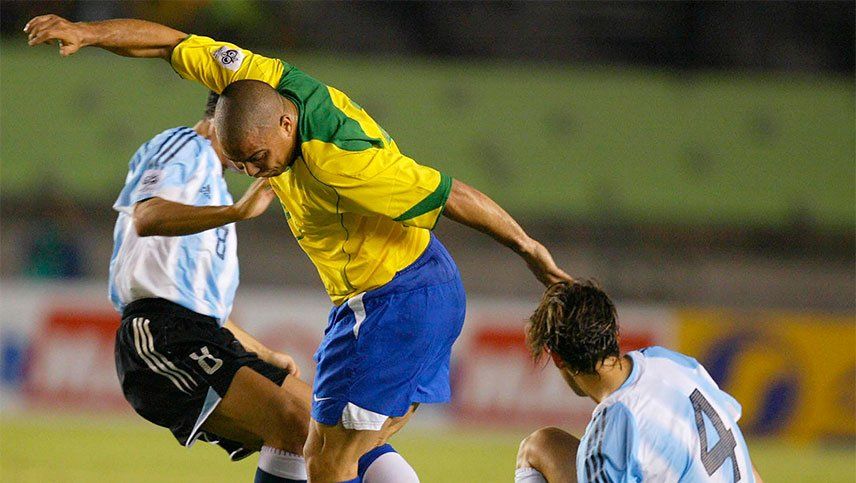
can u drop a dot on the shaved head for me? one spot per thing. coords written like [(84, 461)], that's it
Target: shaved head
[(246, 106), (257, 128)]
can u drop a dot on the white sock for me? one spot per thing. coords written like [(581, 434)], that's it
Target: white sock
[(390, 468), (528, 475), (282, 463)]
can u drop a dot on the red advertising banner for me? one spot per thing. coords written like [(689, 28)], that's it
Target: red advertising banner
[(71, 360), (498, 384), (67, 334)]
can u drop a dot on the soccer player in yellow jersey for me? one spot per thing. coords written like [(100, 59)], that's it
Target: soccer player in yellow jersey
[(360, 209)]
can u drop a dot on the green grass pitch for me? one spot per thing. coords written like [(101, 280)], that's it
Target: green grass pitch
[(42, 448)]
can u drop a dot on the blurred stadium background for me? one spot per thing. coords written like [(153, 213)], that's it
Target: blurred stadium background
[(696, 158)]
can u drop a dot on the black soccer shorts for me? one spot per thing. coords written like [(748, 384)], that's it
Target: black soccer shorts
[(175, 365)]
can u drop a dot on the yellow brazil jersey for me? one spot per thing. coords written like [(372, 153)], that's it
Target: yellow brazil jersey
[(359, 208)]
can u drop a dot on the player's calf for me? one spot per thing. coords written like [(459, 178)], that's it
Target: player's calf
[(335, 454), (548, 454), (332, 452)]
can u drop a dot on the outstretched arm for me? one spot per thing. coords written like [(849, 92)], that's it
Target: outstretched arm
[(414, 195), (212, 63), (472, 208), (128, 37), (159, 217)]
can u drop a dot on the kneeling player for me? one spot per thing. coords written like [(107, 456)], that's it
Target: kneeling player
[(660, 416)]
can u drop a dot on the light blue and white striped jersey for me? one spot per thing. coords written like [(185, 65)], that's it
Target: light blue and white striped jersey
[(668, 422), (198, 272)]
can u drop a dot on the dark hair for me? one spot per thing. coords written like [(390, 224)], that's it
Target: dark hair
[(211, 104), (576, 321)]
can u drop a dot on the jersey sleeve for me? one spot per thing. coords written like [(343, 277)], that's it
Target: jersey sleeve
[(610, 450), (217, 64), (387, 183), (168, 173)]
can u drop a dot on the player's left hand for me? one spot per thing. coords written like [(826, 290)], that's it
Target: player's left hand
[(44, 29), (285, 361), (542, 265)]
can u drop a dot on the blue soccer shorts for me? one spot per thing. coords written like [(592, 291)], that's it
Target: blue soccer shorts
[(388, 348)]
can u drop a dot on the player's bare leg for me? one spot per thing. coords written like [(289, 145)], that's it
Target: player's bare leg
[(256, 411), (549, 451), (332, 452), (266, 417)]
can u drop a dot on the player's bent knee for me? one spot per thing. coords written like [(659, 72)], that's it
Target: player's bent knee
[(286, 435), (543, 447), (289, 428), (523, 453)]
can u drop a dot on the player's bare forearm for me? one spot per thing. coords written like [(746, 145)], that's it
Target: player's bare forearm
[(160, 217), (472, 208), (251, 344), (157, 216), (133, 38), (128, 37)]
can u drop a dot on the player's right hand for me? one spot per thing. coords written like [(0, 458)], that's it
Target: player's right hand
[(541, 264), (256, 199), (45, 29)]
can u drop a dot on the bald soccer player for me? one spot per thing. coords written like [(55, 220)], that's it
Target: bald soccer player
[(361, 210)]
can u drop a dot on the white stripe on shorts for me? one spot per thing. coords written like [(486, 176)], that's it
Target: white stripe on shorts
[(140, 343), (356, 305), (167, 362)]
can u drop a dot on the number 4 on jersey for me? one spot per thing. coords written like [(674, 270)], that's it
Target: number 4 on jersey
[(715, 457)]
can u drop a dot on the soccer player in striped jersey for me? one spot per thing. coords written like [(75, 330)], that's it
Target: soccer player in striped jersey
[(181, 362), (659, 415), (361, 210)]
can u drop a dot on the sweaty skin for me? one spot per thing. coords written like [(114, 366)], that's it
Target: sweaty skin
[(139, 38), (264, 148)]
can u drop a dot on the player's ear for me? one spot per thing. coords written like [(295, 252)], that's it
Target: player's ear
[(557, 360), (286, 123)]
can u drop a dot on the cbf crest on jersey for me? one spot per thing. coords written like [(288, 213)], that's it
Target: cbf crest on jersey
[(229, 57)]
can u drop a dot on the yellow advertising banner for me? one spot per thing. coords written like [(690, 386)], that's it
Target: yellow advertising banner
[(794, 374)]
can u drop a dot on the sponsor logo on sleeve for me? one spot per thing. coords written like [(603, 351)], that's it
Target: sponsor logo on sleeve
[(229, 57), (150, 181)]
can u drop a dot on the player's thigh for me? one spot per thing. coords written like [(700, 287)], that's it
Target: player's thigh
[(255, 410), (551, 451), (339, 444), (394, 425)]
